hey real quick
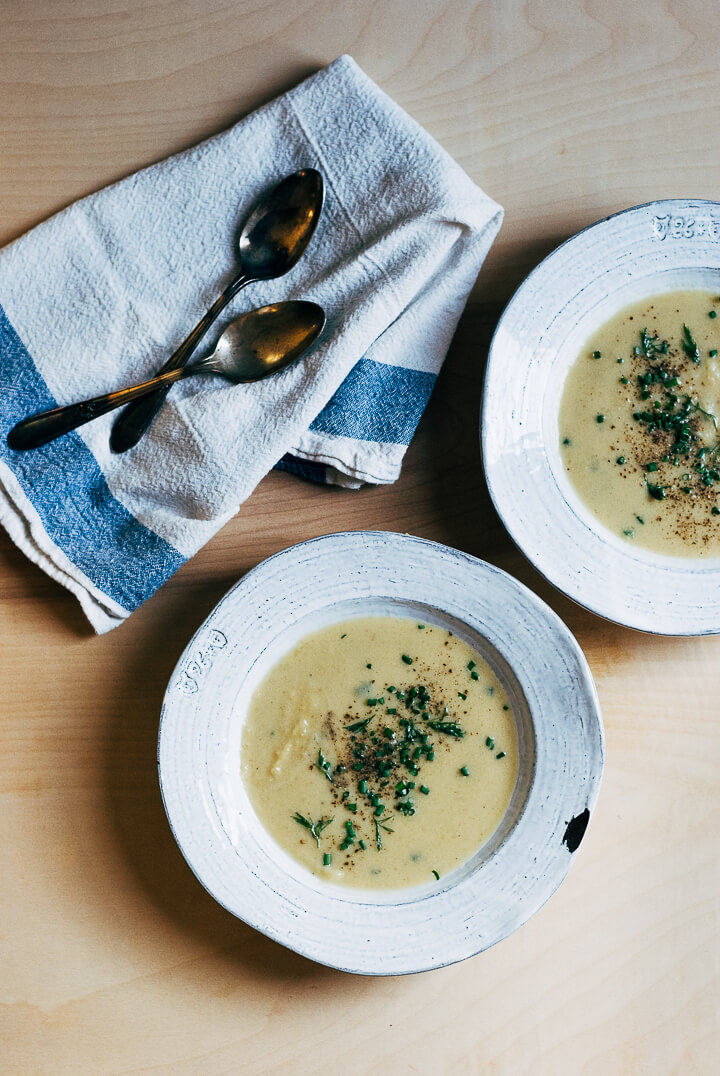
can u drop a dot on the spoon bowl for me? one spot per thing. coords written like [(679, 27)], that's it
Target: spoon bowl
[(281, 225), (263, 341), (254, 346), (273, 238)]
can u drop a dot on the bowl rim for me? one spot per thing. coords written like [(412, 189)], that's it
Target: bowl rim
[(390, 935), (569, 576)]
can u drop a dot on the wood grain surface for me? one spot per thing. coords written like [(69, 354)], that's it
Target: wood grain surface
[(113, 959)]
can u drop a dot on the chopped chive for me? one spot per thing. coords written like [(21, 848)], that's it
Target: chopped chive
[(327, 859), (424, 789), (471, 665), (437, 876), (421, 626), (369, 665), (712, 313), (489, 743), (715, 510), (689, 346), (599, 418), (462, 694), (620, 460), (712, 352), (363, 787), (474, 676), (464, 771), (358, 726), (566, 440), (408, 660), (451, 728), (624, 381), (597, 354), (500, 754), (506, 707)]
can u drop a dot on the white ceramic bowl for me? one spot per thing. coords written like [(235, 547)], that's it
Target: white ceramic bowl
[(637, 253), (308, 587)]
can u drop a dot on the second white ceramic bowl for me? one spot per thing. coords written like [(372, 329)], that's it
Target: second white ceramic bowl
[(640, 252)]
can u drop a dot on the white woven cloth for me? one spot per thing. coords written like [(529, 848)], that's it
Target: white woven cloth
[(100, 295)]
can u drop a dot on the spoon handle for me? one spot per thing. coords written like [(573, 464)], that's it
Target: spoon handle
[(132, 424), (47, 425)]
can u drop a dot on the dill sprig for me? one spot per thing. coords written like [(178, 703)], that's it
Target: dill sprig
[(378, 826), (315, 828), (708, 414)]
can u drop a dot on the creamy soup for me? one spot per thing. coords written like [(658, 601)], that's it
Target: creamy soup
[(639, 424), (381, 752)]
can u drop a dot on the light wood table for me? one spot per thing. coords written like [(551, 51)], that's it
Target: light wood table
[(113, 959)]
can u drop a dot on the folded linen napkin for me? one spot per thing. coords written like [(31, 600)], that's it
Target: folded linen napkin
[(101, 294)]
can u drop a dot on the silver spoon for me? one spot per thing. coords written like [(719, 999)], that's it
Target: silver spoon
[(273, 238), (253, 346)]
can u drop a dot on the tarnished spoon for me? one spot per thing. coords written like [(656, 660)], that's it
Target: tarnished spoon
[(273, 238), (253, 346)]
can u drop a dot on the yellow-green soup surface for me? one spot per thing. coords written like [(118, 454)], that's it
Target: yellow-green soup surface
[(639, 424), (381, 752)]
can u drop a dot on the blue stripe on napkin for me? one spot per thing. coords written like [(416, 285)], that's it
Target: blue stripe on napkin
[(314, 472), (63, 481), (377, 402)]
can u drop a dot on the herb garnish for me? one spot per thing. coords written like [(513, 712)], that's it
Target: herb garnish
[(324, 766), (650, 345), (358, 726), (315, 828), (375, 761), (687, 343), (451, 728), (378, 826)]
